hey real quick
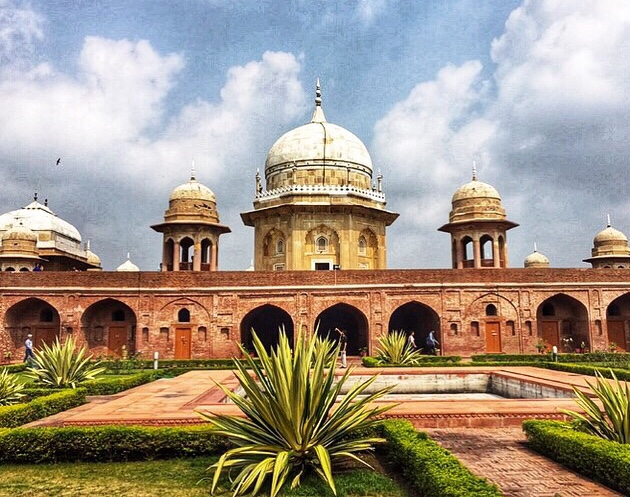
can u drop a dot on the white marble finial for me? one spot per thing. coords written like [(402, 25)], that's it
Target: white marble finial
[(474, 171), (535, 247), (192, 170), (318, 114), (608, 220)]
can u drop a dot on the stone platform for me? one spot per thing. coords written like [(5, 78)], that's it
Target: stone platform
[(177, 401)]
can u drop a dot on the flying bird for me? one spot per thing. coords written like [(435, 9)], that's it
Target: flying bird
[(58, 161)]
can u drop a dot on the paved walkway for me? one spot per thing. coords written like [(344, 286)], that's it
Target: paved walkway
[(500, 454)]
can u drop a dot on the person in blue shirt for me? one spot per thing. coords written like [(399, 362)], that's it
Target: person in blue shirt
[(432, 343), (28, 348)]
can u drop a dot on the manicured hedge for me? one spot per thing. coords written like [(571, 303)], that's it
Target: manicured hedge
[(599, 459), (587, 369), (14, 368), (171, 363), (40, 407), (432, 361), (511, 358), (431, 469), (106, 444)]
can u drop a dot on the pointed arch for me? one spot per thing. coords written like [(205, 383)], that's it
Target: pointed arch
[(32, 316), (618, 322), (560, 318), (346, 317), (266, 321), (418, 317), (109, 327)]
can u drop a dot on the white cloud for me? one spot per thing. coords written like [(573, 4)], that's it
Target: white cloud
[(19, 29), (369, 10)]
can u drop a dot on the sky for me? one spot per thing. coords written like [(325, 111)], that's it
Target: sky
[(129, 93)]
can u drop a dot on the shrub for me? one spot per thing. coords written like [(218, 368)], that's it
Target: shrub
[(395, 349), (594, 457), (10, 388), (588, 369), (611, 423), (14, 368), (293, 422), (107, 386), (61, 365), (106, 444), (40, 407), (431, 469)]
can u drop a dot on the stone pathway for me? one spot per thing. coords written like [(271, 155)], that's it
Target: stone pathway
[(500, 454)]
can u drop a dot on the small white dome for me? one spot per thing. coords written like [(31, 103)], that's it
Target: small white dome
[(536, 259), (128, 266)]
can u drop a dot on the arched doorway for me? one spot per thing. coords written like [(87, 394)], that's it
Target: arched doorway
[(109, 327), (266, 321), (32, 316), (562, 320), (348, 318), (414, 316), (618, 322)]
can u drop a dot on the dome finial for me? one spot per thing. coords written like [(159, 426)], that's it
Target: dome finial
[(318, 114), (535, 247), (192, 170), (608, 220), (474, 171)]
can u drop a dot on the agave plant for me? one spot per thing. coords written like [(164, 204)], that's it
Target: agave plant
[(395, 349), (10, 388), (62, 365), (611, 423), (293, 422)]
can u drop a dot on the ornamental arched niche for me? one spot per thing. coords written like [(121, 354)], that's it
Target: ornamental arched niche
[(322, 240), (183, 310), (109, 328), (494, 320), (345, 317), (618, 323), (32, 316), (266, 321), (562, 321), (417, 317), (367, 249)]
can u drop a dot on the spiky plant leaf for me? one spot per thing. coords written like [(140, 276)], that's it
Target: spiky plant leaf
[(62, 365), (612, 420), (395, 349), (10, 388), (293, 422)]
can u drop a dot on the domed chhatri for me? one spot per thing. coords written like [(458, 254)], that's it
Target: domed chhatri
[(128, 266), (36, 232), (610, 249), (319, 197), (478, 226), (191, 229), (536, 260)]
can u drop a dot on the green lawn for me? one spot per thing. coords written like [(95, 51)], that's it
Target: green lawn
[(171, 478)]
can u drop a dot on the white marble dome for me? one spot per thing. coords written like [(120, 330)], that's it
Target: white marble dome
[(39, 217)]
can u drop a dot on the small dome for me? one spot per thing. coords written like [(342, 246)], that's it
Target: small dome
[(476, 190), (193, 190), (20, 232), (128, 266), (609, 234), (318, 152), (536, 259), (92, 258)]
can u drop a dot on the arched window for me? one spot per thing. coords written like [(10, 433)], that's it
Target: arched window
[(548, 310), (10, 269), (321, 244), (183, 316), (362, 245), (118, 315), (24, 269), (491, 310), (453, 328), (280, 246), (46, 316)]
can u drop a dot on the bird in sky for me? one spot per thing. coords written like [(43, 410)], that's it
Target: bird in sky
[(58, 161)]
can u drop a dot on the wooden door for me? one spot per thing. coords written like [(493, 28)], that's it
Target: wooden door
[(182, 343), (117, 337), (617, 334), (44, 334), (493, 338), (550, 334)]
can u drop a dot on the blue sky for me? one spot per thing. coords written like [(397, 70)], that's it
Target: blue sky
[(129, 93)]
